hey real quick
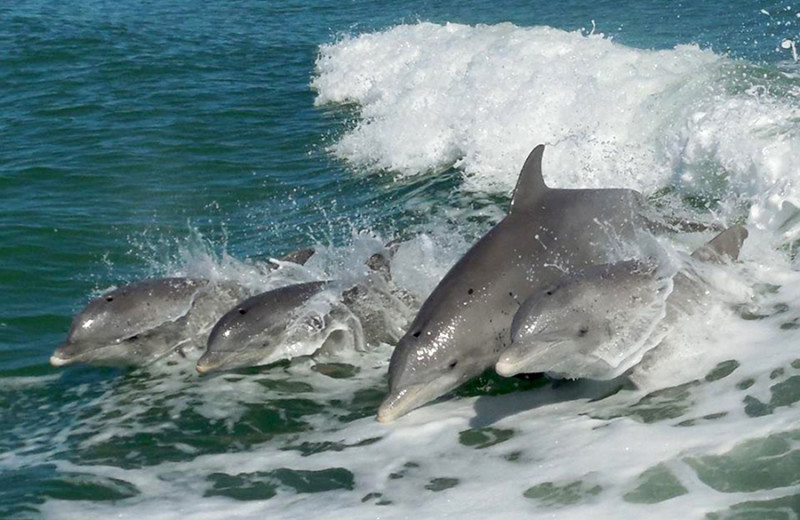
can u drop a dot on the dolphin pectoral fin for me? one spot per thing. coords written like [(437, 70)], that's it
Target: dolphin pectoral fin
[(726, 244), (530, 185)]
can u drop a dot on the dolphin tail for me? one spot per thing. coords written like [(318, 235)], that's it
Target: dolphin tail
[(724, 246)]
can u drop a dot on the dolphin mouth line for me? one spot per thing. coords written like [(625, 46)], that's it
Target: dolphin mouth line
[(210, 361), (399, 403), (58, 360), (510, 368)]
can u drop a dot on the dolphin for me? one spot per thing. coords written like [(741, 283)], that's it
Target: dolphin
[(303, 319), (280, 324), (143, 321), (600, 322), (140, 322), (465, 323)]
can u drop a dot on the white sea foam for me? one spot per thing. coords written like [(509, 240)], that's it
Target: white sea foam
[(478, 98), (472, 457), (431, 97)]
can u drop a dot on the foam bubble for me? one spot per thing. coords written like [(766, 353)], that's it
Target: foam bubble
[(432, 96)]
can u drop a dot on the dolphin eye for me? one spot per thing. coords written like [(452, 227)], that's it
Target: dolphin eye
[(583, 331)]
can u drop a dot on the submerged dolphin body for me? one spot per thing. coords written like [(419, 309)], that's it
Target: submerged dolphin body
[(600, 322), (303, 319), (141, 322), (138, 323), (465, 323)]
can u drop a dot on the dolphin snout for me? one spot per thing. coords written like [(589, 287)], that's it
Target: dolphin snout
[(514, 360), (507, 367), (400, 402), (61, 357), (58, 361), (209, 362), (215, 360), (527, 357), (397, 404)]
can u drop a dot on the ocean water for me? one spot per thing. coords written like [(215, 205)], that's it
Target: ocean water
[(170, 138)]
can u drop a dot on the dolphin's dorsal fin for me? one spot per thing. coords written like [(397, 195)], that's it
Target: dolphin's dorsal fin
[(530, 184), (726, 244)]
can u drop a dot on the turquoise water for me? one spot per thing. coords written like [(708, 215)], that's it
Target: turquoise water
[(159, 138)]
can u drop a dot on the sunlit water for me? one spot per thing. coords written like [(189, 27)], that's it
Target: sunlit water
[(167, 139)]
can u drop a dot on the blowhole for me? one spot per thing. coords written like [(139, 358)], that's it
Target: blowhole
[(416, 334), (242, 311), (109, 298)]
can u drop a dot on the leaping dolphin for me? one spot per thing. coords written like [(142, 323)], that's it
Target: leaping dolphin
[(602, 321), (465, 323)]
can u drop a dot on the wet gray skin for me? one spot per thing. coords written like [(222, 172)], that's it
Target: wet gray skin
[(279, 324), (141, 322), (600, 322), (302, 319), (465, 323), (593, 324)]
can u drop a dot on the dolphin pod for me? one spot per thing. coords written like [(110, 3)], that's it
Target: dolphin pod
[(141, 322), (600, 322), (465, 323), (144, 321), (496, 308)]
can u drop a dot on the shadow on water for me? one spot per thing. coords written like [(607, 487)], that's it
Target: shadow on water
[(490, 409)]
